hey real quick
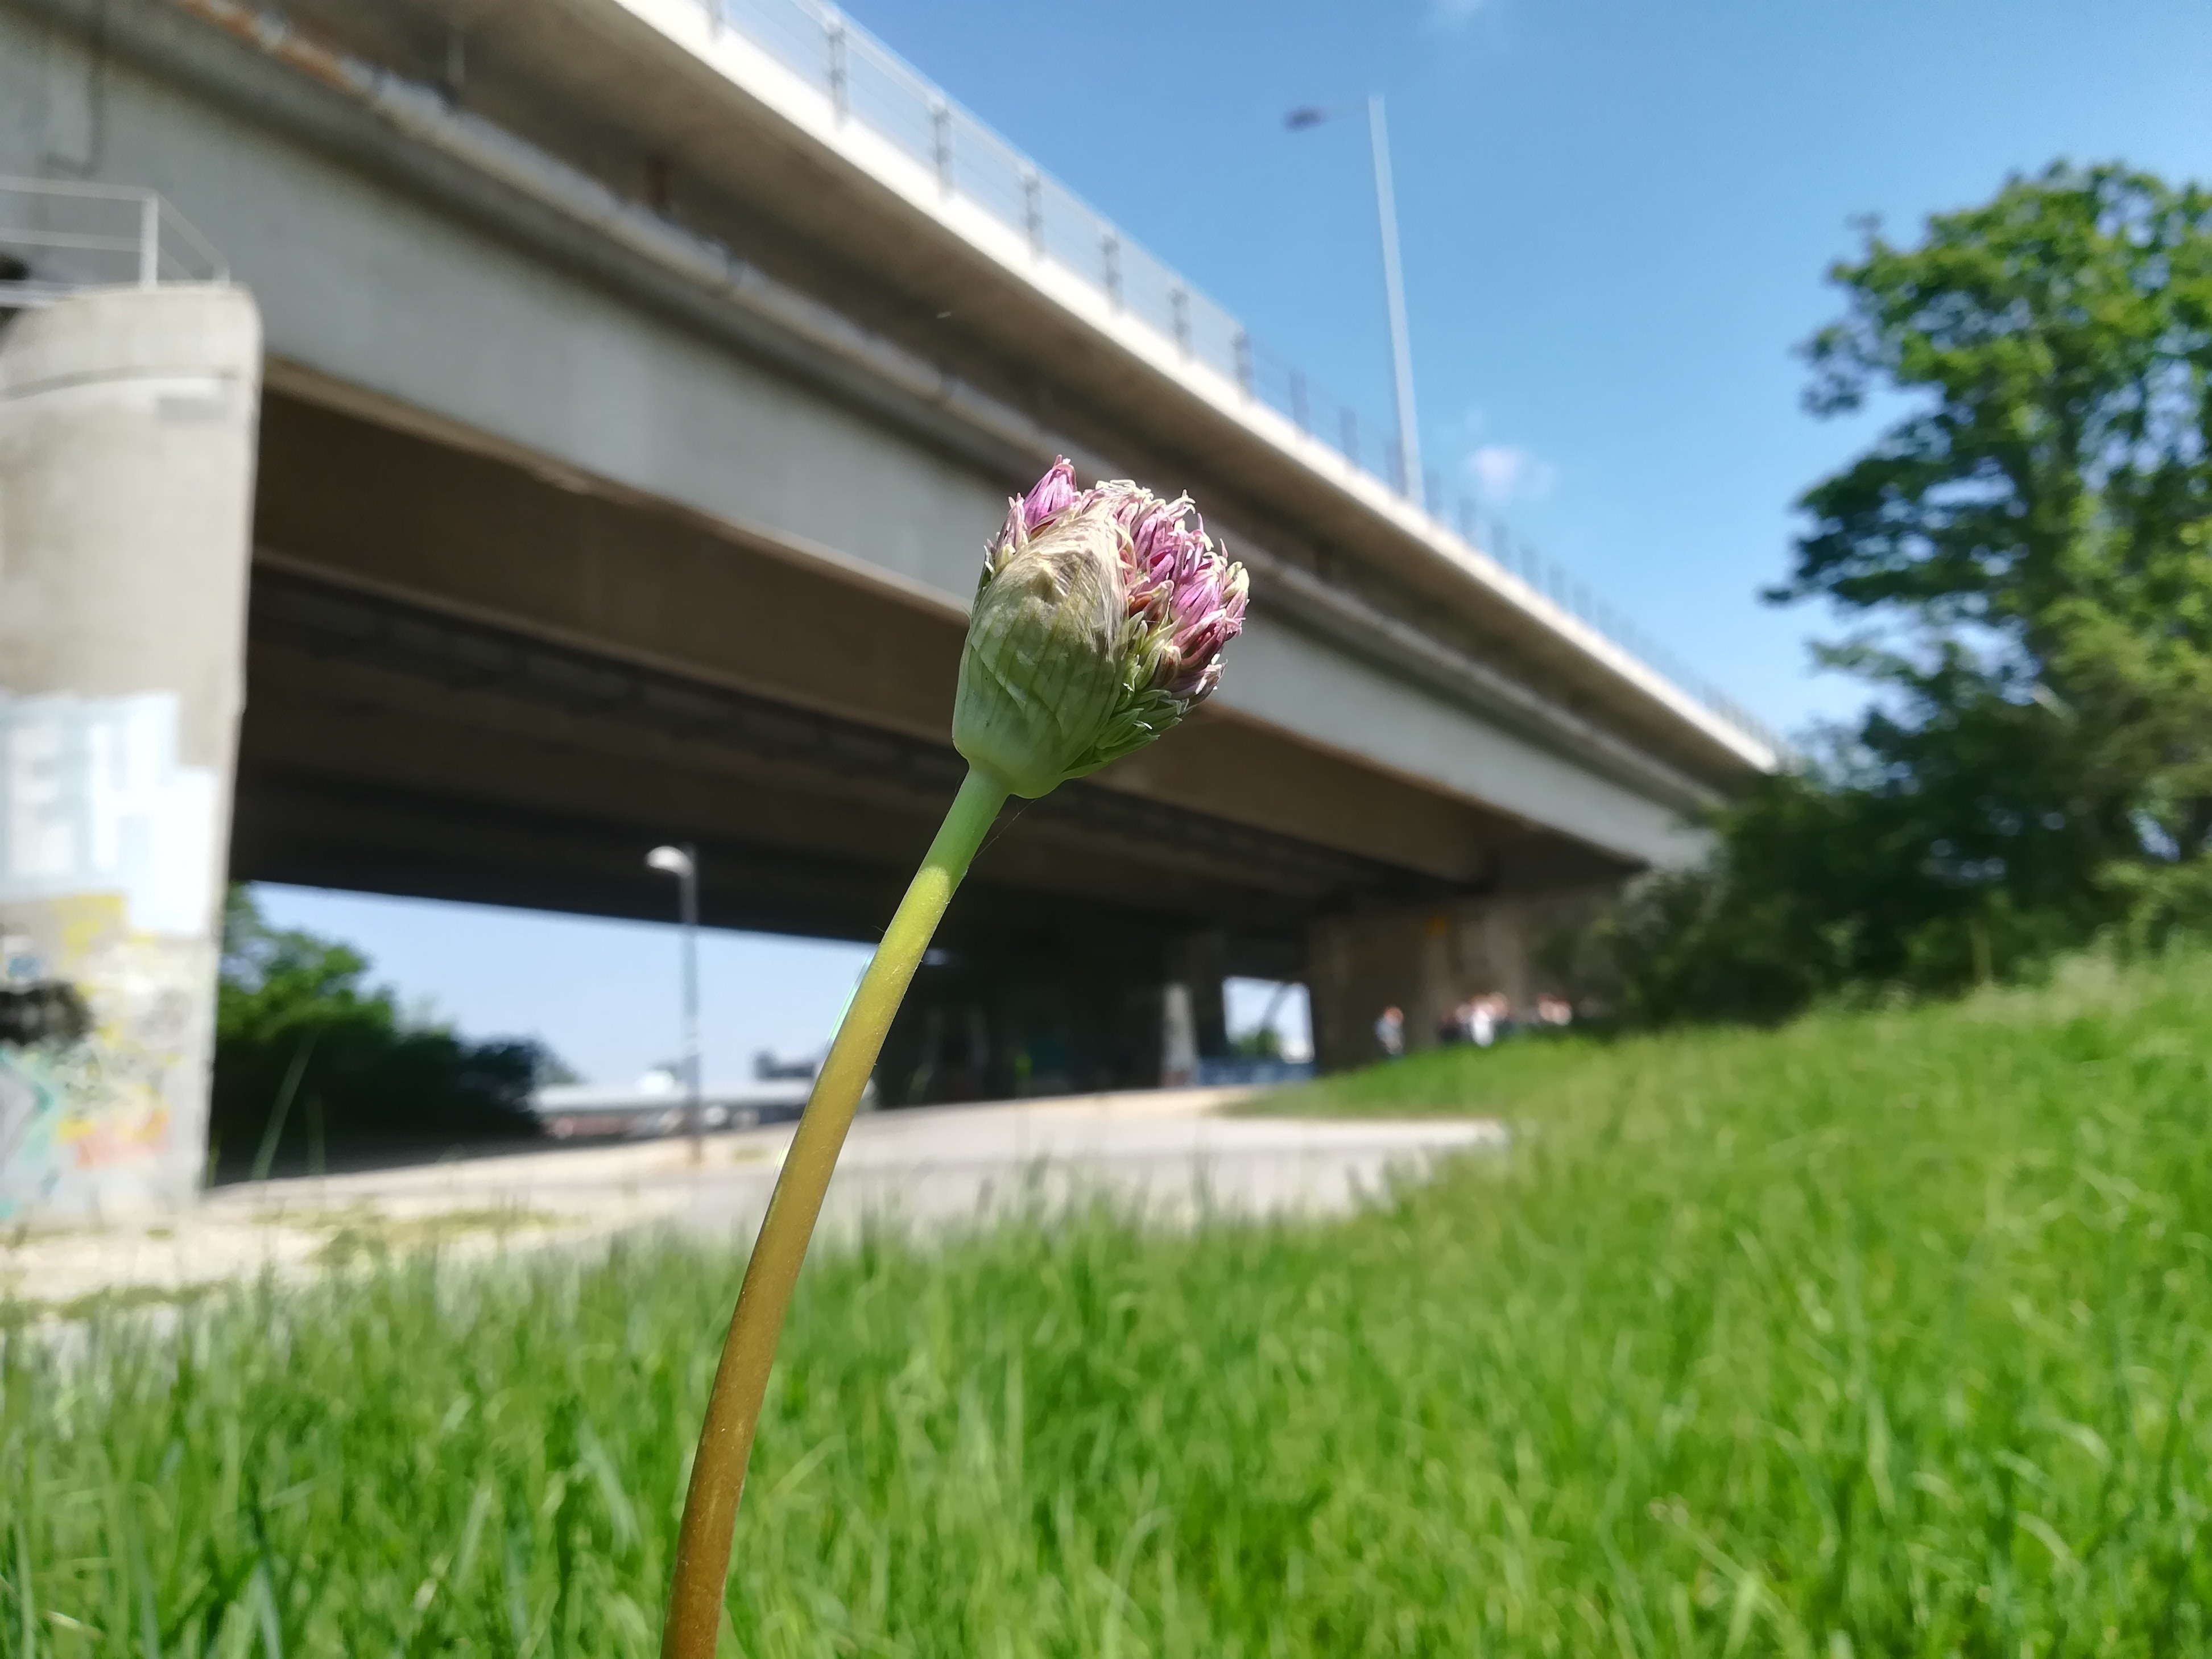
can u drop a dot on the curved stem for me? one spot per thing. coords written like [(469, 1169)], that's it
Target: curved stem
[(725, 1439)]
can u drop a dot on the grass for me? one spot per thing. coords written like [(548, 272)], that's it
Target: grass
[(99, 1304), (1885, 1333), (364, 1234)]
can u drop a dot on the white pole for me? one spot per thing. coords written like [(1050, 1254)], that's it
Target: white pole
[(1401, 350), (694, 1117), (149, 239), (682, 863)]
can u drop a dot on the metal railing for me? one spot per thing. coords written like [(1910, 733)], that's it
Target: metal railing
[(865, 82), (60, 235)]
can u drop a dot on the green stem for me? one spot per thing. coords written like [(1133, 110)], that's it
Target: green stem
[(725, 1439)]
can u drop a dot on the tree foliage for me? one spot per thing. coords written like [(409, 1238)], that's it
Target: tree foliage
[(2028, 551), (303, 1040)]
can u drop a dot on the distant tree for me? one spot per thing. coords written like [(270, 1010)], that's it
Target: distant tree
[(2028, 545), (1260, 1042), (303, 1042), (2042, 519)]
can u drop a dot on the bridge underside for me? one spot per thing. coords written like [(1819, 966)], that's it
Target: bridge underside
[(473, 677), (390, 746)]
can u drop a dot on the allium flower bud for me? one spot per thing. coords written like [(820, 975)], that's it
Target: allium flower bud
[(1098, 625)]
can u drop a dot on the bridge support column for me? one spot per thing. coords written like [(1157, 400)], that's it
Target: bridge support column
[(1200, 964), (1426, 962), (1360, 965), (127, 422)]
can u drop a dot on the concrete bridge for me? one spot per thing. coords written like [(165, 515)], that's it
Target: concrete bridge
[(448, 447)]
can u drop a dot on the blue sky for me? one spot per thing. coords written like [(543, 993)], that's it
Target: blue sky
[(1616, 214)]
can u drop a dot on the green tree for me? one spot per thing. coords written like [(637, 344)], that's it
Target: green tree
[(2028, 548), (304, 1042), (2039, 523)]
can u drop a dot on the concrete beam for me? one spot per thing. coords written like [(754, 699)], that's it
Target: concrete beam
[(590, 566), (356, 692)]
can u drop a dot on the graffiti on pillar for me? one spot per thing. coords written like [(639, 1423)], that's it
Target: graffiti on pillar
[(107, 871)]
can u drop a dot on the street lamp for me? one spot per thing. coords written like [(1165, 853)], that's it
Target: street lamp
[(1386, 214), (682, 863)]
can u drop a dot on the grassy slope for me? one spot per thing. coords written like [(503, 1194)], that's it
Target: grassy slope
[(1882, 1334)]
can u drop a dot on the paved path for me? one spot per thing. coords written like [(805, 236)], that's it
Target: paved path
[(1168, 1151)]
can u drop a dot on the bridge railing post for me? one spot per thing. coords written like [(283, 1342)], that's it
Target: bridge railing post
[(834, 47), (1033, 208), (941, 134)]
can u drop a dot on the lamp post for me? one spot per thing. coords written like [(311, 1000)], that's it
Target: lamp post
[(1386, 215), (682, 863)]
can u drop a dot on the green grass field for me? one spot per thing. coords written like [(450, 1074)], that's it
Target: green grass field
[(1883, 1334)]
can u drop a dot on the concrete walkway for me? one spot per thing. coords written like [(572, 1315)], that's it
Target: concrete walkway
[(1168, 1151)]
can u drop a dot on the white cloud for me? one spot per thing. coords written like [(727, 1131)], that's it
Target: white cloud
[(1504, 473)]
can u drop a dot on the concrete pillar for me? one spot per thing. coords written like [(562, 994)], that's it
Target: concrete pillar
[(1328, 1008), (1200, 964), (1493, 950), (1178, 1038), (1424, 962), (127, 421), (1434, 992), (1506, 942), (1359, 965)]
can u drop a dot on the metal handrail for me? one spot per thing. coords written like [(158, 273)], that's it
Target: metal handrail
[(153, 244), (865, 82)]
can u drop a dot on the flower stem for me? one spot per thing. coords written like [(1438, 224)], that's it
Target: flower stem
[(725, 1439)]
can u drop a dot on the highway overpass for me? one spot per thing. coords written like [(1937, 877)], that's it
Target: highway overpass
[(635, 384)]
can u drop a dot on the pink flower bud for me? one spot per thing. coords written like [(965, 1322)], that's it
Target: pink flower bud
[(1099, 624)]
